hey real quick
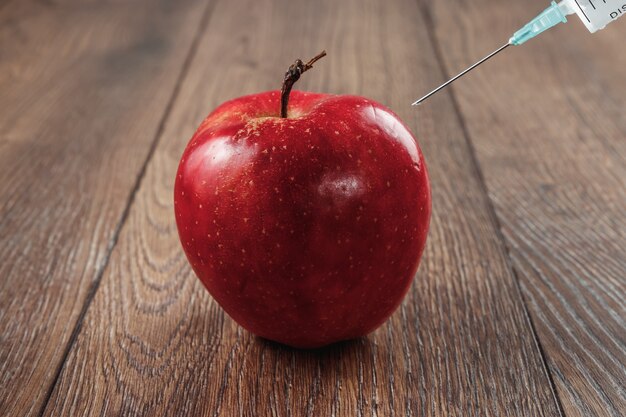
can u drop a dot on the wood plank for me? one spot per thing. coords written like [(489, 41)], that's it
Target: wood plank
[(548, 126), (155, 343), (84, 86)]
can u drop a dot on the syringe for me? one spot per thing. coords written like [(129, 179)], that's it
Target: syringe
[(595, 14)]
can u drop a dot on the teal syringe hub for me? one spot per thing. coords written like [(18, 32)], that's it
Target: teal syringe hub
[(550, 17)]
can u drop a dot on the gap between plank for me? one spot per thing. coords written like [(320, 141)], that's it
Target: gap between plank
[(430, 28), (93, 288), (3, 5)]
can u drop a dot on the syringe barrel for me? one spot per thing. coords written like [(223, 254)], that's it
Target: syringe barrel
[(595, 14)]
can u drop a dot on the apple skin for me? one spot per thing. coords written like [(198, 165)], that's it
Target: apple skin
[(307, 230)]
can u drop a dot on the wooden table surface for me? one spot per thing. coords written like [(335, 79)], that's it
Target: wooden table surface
[(519, 305)]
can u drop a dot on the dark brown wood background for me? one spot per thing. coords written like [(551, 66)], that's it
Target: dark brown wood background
[(518, 308)]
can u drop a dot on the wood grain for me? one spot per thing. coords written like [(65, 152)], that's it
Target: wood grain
[(555, 166), (155, 343), (84, 86)]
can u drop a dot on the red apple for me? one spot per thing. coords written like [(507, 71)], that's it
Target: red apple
[(307, 229)]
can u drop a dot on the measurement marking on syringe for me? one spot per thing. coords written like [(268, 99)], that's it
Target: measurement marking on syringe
[(581, 9), (592, 5)]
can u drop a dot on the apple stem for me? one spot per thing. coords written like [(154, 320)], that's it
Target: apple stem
[(291, 76)]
